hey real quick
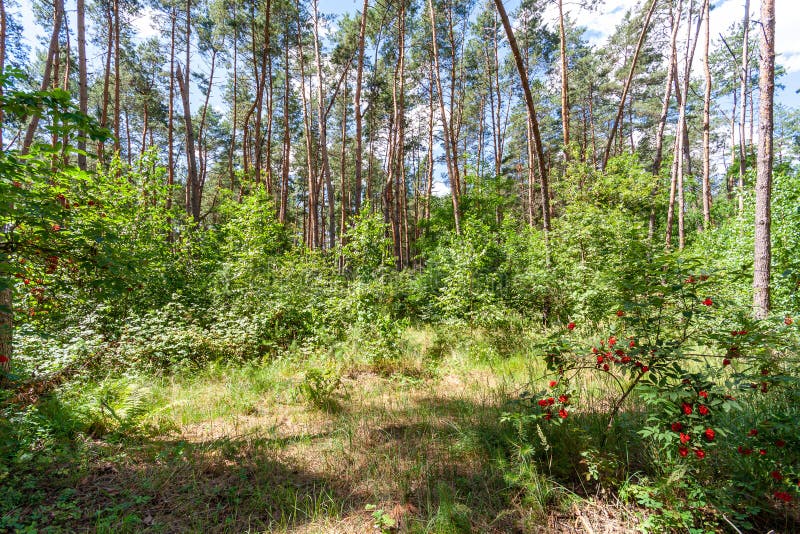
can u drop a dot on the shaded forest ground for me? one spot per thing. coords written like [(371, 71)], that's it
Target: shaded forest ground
[(304, 446)]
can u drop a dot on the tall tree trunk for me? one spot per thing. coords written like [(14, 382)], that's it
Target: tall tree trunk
[(117, 81), (201, 130), (357, 106), (400, 176), (343, 204), (628, 82), (234, 122), (58, 15), (287, 139), (763, 216), (743, 103), (192, 183), (323, 134), (430, 163), (83, 87), (681, 139), (453, 118), (3, 31), (662, 121), (263, 80), (109, 52), (452, 165), (706, 188), (691, 46), (564, 80), (730, 182), (6, 327), (537, 138), (171, 112), (311, 232)]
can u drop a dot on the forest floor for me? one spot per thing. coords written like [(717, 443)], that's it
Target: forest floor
[(293, 446)]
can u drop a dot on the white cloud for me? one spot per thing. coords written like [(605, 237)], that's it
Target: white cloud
[(601, 23), (145, 24)]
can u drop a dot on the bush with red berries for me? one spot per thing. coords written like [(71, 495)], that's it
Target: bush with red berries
[(689, 368)]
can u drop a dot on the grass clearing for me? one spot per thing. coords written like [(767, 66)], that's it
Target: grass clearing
[(245, 449), (250, 448)]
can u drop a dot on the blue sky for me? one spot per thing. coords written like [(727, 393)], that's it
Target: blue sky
[(600, 24)]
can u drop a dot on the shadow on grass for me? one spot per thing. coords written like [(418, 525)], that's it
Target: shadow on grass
[(442, 463)]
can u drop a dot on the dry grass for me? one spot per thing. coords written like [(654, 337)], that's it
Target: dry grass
[(243, 451)]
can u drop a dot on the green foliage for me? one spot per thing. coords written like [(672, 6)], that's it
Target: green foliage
[(320, 387)]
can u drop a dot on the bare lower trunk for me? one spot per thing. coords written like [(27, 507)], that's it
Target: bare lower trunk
[(763, 216), (192, 182), (6, 328), (286, 140)]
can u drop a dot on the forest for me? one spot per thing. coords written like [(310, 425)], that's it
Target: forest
[(439, 266)]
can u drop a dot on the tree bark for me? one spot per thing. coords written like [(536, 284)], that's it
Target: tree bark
[(564, 80), (192, 185), (83, 87), (537, 138), (6, 327), (662, 121), (313, 218), (452, 166), (743, 103), (323, 135), (58, 15), (117, 81), (706, 188), (286, 139), (357, 107), (691, 46), (763, 216), (3, 31), (171, 112)]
